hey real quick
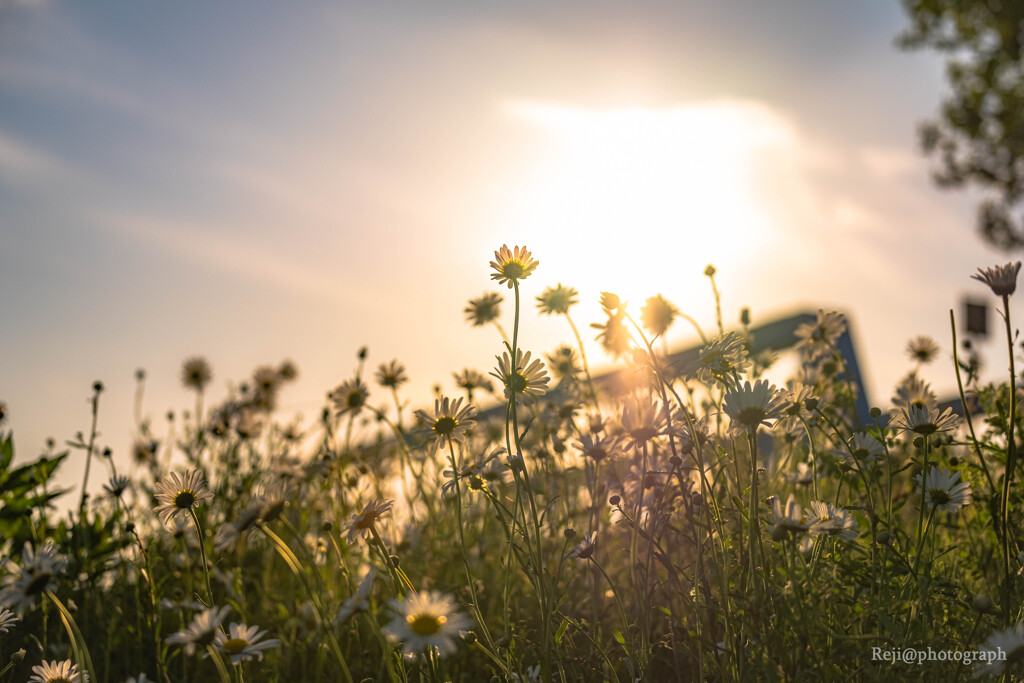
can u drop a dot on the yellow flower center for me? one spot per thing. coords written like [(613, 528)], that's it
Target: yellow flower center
[(426, 624), (513, 270), (445, 426), (517, 383), (234, 646), (185, 499)]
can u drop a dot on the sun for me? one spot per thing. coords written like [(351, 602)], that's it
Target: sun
[(637, 199)]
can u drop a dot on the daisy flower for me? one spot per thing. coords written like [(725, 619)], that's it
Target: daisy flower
[(196, 373), (1003, 649), (363, 523), (359, 601), (427, 619), (7, 620), (598, 448), (180, 495), (1002, 279), (866, 447), (922, 349), (584, 550), (815, 339), (449, 421), (202, 631), (477, 476), (391, 375), (926, 421), (484, 309), (562, 362), (657, 315), (511, 266), (722, 359), (785, 518), (914, 391), (751, 406), (944, 491), (349, 396), (557, 300), (23, 584), (56, 672), (117, 485), (243, 643), (642, 420), (829, 520), (470, 379), (528, 381)]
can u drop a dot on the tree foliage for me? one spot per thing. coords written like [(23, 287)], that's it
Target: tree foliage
[(979, 137)]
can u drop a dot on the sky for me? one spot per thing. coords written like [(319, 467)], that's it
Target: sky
[(255, 181)]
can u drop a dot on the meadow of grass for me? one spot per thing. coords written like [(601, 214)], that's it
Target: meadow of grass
[(697, 524)]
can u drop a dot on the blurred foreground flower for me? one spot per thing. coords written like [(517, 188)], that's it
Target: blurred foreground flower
[(427, 620)]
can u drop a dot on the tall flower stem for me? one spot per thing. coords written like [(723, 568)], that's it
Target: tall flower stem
[(202, 549), (1011, 464), (90, 448), (477, 613)]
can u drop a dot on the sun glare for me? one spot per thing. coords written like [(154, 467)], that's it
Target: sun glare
[(660, 189)]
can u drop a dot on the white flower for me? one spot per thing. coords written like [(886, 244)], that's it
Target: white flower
[(926, 421), (944, 491), (56, 672), (832, 521), (788, 518), (1006, 647), (202, 631), (425, 620), (751, 406), (362, 524), (33, 578), (360, 600), (7, 620), (180, 495), (1002, 279), (584, 550), (449, 421), (243, 642)]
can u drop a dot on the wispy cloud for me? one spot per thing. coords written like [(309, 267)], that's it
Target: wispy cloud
[(206, 245)]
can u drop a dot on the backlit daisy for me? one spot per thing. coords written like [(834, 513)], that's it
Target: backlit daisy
[(786, 518), (7, 620), (56, 672), (196, 373), (723, 359), (202, 631), (828, 520), (1002, 279), (349, 396), (117, 485), (642, 420), (391, 374), (449, 421), (484, 309), (913, 391), (427, 619), (657, 315), (922, 349), (817, 338), (584, 550), (528, 382), (598, 448), (512, 265), (751, 406), (180, 494), (944, 491), (360, 525), (925, 421), (243, 643), (470, 380), (359, 601), (557, 300), (23, 584), (866, 447)]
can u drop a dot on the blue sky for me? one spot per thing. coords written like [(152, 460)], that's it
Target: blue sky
[(261, 180)]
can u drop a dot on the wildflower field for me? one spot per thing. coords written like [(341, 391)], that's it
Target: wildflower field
[(689, 522)]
